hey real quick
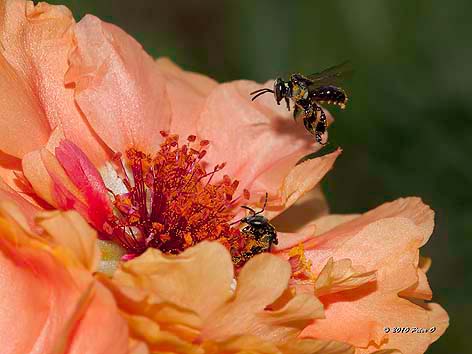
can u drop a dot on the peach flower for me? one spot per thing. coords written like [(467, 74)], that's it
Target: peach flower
[(84, 108), (367, 272), (49, 301), (91, 123)]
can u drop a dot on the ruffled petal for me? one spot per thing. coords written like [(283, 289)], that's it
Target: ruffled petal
[(35, 94), (188, 87), (421, 289), (339, 276), (28, 210), (37, 324), (260, 283), (171, 278), (191, 296), (72, 232), (385, 239), (68, 180), (118, 87), (36, 172)]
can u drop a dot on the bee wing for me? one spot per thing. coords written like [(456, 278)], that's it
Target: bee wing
[(332, 75)]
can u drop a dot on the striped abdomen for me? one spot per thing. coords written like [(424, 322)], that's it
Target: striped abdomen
[(329, 94)]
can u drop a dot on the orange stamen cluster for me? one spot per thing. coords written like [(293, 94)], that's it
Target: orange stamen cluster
[(171, 203)]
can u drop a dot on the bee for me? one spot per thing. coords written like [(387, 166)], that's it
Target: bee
[(259, 235), (308, 92)]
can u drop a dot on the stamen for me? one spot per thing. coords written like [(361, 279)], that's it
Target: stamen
[(171, 203)]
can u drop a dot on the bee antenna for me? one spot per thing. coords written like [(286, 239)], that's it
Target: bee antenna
[(249, 208), (261, 93), (244, 207), (262, 89), (236, 222), (265, 203)]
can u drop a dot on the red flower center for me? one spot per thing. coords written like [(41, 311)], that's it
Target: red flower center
[(171, 203)]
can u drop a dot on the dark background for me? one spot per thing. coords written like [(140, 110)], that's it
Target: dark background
[(406, 129)]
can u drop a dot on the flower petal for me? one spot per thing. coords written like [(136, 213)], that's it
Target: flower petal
[(21, 113), (36, 324), (118, 87), (101, 314), (199, 280), (260, 283), (305, 211), (71, 231), (198, 82), (37, 174), (305, 176), (172, 277), (339, 276), (27, 209), (157, 339), (35, 89), (87, 179), (65, 194), (385, 239), (187, 92)]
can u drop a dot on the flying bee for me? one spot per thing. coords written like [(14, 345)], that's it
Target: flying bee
[(259, 235), (308, 92)]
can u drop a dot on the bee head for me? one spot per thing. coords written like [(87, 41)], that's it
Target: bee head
[(280, 90), (255, 220)]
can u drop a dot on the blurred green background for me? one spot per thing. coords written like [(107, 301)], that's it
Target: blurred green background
[(406, 129)]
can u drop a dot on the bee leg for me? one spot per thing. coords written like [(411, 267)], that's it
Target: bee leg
[(297, 112), (287, 102), (321, 126), (309, 122)]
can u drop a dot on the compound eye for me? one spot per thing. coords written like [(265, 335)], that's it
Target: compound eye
[(279, 92)]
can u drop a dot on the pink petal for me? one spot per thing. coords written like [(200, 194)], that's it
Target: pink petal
[(118, 87), (64, 193), (87, 179), (199, 83), (187, 94), (21, 113), (37, 40)]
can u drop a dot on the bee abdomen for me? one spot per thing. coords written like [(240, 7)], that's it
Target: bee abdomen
[(330, 95)]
